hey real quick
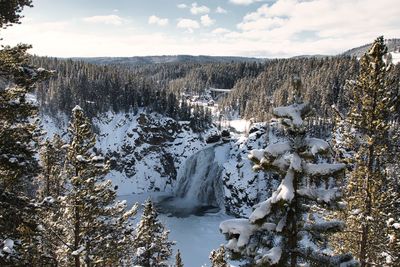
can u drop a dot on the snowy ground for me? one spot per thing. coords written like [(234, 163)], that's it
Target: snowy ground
[(395, 57), (195, 236)]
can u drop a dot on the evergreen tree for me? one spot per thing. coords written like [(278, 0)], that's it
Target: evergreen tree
[(217, 258), (372, 195), (151, 244), (95, 227), (290, 228), (10, 11), (51, 185), (52, 156), (178, 259), (19, 230)]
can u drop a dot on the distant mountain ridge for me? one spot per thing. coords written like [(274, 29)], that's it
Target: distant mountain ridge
[(392, 44), (145, 60)]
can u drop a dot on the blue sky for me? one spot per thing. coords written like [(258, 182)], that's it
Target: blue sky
[(259, 28)]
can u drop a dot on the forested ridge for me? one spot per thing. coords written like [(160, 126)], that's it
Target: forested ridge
[(121, 88), (256, 87)]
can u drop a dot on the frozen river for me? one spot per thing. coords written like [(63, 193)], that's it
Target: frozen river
[(195, 236)]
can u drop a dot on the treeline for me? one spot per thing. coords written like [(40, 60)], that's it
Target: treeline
[(323, 81), (126, 89), (158, 87), (324, 85)]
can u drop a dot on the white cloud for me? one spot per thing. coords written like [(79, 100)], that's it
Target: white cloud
[(220, 31), (182, 6), (206, 21), (197, 10), (188, 24), (282, 29), (262, 24), (107, 19), (158, 21), (317, 26), (220, 10), (244, 2)]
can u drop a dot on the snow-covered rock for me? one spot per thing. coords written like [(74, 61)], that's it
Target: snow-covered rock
[(145, 150)]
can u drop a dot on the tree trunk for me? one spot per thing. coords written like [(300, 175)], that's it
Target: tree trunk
[(76, 233), (77, 228), (368, 208), (291, 218)]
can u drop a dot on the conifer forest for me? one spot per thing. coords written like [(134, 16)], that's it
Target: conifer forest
[(276, 150)]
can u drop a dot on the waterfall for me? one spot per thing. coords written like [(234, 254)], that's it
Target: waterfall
[(199, 185)]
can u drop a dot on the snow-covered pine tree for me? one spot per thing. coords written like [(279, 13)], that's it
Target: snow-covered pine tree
[(51, 185), (96, 229), (289, 228), (52, 156), (178, 259), (217, 258), (18, 166), (151, 244), (372, 195)]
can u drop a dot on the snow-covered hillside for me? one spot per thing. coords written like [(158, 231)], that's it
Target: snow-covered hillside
[(148, 151), (145, 150)]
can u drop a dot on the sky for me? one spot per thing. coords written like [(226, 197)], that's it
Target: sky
[(251, 28)]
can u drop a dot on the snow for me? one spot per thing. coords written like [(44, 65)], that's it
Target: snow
[(317, 145), (292, 112), (8, 246), (195, 236), (119, 131), (295, 162), (388, 258), (78, 251), (320, 194), (389, 221), (261, 210), (285, 191), (241, 227), (240, 125), (324, 168), (97, 158), (257, 154), (13, 160), (77, 108), (281, 224), (283, 162), (278, 149), (80, 158), (396, 225), (395, 57), (48, 199), (306, 242), (272, 256), (31, 99)]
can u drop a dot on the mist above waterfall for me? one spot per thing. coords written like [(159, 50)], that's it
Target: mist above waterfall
[(199, 185)]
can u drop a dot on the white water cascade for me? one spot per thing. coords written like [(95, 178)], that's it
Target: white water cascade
[(199, 186)]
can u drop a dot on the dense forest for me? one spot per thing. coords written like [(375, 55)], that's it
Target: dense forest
[(324, 82), (120, 88), (333, 203), (256, 87)]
